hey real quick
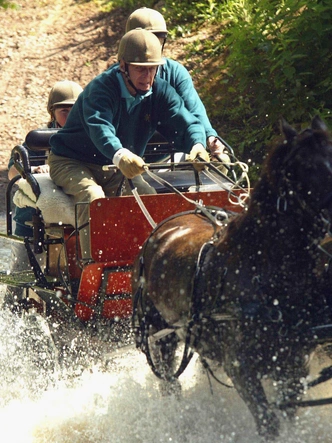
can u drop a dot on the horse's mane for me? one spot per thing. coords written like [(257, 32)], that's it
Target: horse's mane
[(275, 167)]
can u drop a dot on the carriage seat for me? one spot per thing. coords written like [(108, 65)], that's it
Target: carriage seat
[(38, 190), (55, 206)]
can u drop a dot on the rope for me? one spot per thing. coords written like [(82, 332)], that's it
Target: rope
[(239, 200), (320, 247), (199, 205), (142, 206)]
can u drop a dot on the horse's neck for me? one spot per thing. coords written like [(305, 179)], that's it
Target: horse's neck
[(269, 252), (278, 232)]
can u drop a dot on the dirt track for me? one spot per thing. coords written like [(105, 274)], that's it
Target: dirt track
[(41, 43)]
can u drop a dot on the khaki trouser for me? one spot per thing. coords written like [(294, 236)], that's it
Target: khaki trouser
[(87, 182)]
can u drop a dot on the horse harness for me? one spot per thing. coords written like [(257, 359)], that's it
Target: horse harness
[(218, 218), (202, 308), (203, 311)]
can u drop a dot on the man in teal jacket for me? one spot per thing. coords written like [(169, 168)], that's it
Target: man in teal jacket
[(112, 121), (178, 76)]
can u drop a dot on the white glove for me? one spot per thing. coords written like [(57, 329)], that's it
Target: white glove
[(198, 150), (129, 163)]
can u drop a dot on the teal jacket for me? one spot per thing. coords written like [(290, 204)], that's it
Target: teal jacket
[(99, 123), (178, 76)]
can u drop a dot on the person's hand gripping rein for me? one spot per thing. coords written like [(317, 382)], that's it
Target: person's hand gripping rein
[(219, 155), (129, 163), (198, 150)]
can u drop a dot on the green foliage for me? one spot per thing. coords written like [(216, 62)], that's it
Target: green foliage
[(272, 58), (280, 56), (186, 16), (7, 4), (129, 5)]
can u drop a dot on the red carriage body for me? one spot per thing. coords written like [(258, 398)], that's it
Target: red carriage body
[(101, 287), (118, 230)]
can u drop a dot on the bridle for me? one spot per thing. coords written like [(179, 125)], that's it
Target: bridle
[(287, 192)]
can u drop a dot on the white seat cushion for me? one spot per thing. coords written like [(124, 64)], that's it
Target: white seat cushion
[(55, 205)]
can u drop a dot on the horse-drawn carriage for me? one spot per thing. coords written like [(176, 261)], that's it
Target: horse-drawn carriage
[(94, 295), (248, 288)]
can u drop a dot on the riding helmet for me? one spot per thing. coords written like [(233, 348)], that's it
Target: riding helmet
[(64, 92), (140, 47), (149, 19)]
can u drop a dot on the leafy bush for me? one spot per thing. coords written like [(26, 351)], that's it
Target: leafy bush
[(185, 15), (279, 53), (271, 59)]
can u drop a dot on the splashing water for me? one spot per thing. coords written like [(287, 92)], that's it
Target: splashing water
[(118, 400)]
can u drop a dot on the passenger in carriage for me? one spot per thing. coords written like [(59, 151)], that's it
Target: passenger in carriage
[(112, 122), (178, 77), (61, 98)]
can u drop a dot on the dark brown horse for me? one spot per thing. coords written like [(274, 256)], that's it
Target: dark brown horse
[(245, 294)]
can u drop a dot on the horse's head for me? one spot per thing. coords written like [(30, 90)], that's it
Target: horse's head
[(300, 169)]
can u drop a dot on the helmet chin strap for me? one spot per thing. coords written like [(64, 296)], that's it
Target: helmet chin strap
[(126, 73)]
